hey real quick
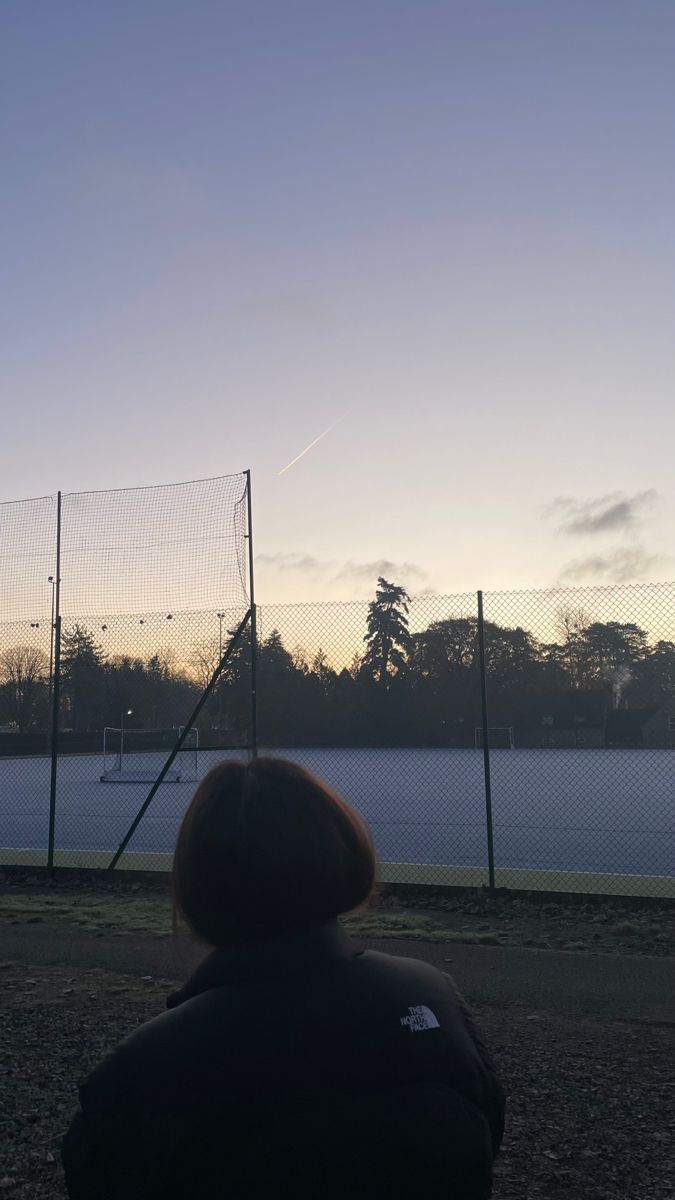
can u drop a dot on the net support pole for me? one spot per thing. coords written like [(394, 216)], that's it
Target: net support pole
[(486, 744), (234, 640), (55, 689), (254, 624)]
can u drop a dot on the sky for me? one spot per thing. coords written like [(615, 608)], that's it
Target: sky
[(444, 229)]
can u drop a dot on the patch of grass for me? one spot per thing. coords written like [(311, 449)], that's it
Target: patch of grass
[(113, 913), (401, 924), (411, 925)]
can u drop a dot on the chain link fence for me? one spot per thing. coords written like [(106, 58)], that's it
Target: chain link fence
[(391, 743), (585, 680), (561, 778), (550, 768)]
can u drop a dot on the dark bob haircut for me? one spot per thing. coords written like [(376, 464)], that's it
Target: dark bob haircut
[(266, 848)]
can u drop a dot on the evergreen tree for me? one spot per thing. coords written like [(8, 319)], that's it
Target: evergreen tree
[(82, 679), (388, 640)]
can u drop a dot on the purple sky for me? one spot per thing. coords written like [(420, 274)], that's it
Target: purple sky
[(225, 226)]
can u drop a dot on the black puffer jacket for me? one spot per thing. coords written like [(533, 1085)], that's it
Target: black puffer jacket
[(305, 1068)]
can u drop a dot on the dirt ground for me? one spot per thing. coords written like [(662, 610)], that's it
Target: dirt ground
[(591, 1102)]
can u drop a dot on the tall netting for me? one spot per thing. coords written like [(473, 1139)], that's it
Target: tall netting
[(27, 571), (586, 680), (152, 583), (175, 548), (27, 560)]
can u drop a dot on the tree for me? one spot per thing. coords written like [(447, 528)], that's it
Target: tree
[(388, 640), (325, 674), (168, 692), (280, 693), (231, 704), (126, 687), (82, 679), (446, 648), (512, 658), (571, 624), (611, 652), (204, 659), (23, 672), (300, 660), (273, 657), (653, 678)]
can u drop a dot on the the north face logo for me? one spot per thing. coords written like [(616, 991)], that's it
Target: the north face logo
[(420, 1017)]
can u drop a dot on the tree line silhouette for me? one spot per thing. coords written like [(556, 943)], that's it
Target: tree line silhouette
[(402, 688)]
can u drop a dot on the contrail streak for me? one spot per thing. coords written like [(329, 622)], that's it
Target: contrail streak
[(308, 448)]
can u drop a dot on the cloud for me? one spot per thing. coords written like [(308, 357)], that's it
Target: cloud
[(305, 564), (624, 565), (381, 566), (613, 513), (349, 572)]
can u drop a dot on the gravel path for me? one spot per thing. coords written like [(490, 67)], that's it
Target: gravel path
[(591, 1102)]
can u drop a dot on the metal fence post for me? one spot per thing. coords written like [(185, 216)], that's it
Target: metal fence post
[(486, 744), (56, 686), (254, 625)]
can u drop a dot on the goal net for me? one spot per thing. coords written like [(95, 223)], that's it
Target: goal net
[(136, 755), (500, 737)]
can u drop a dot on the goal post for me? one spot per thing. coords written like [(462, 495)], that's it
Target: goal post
[(500, 737), (131, 755)]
